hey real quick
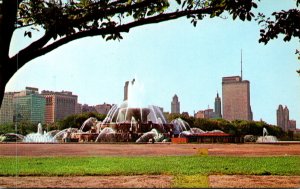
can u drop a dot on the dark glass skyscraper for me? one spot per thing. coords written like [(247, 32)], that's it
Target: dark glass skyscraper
[(218, 113), (175, 105)]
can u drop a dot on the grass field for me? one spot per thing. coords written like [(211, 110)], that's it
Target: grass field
[(170, 165)]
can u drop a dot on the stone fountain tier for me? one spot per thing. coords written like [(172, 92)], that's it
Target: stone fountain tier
[(138, 114), (138, 127), (127, 132)]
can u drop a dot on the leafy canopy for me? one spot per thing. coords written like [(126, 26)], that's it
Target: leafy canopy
[(60, 18)]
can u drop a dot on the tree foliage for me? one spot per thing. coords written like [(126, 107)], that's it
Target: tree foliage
[(239, 127), (76, 120), (236, 127), (63, 21), (285, 22), (23, 128)]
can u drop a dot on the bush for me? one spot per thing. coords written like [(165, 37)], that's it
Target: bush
[(76, 120)]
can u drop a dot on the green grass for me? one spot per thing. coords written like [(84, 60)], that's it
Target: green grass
[(174, 165)]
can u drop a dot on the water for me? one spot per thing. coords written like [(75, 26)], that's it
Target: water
[(266, 138), (59, 135), (106, 135), (40, 136), (87, 124)]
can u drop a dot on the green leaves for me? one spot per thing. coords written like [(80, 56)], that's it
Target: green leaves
[(284, 22), (26, 33)]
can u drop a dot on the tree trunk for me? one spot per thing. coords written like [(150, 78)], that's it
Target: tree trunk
[(3, 82), (8, 12)]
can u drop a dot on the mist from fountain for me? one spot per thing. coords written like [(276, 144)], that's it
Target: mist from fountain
[(40, 136), (59, 136), (135, 108), (266, 137)]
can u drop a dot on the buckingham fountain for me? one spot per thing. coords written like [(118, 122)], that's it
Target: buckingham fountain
[(131, 121)]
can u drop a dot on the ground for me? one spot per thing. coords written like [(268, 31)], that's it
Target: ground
[(152, 181), (94, 149)]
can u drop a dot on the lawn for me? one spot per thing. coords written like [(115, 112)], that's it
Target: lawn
[(170, 165)]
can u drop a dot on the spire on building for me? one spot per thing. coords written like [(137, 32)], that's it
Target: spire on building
[(218, 113), (242, 64)]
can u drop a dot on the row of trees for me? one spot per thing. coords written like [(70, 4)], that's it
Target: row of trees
[(26, 127), (236, 127)]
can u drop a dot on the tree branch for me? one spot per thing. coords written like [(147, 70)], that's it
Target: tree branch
[(36, 49)]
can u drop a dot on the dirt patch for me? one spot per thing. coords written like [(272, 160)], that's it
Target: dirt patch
[(82, 149), (141, 181), (148, 181), (253, 181)]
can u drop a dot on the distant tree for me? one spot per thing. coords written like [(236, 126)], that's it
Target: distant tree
[(76, 120), (62, 22), (190, 120), (285, 22), (7, 128), (206, 124)]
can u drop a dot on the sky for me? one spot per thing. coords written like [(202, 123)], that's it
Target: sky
[(172, 58)]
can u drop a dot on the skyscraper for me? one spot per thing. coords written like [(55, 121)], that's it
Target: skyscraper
[(126, 90), (175, 105), (59, 105), (283, 119), (218, 113), (236, 98), (280, 117), (29, 105), (6, 110)]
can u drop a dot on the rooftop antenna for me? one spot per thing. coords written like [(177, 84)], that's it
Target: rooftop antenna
[(242, 64)]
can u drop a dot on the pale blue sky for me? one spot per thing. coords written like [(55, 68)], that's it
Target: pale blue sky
[(173, 58)]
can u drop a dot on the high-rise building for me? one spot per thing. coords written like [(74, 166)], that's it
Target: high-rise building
[(126, 90), (78, 108), (29, 105), (175, 105), (292, 125), (6, 110), (286, 118), (103, 108), (283, 119), (218, 113), (236, 98), (207, 113), (59, 105), (280, 117), (88, 108)]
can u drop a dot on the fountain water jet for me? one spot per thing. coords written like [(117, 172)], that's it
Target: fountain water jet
[(266, 137), (39, 136)]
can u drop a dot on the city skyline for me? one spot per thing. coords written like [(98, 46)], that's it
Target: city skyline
[(173, 58)]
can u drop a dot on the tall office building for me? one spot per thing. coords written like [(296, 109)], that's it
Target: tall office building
[(6, 110), (29, 105), (59, 105), (280, 117), (217, 112), (283, 119), (236, 98), (126, 90), (175, 105), (103, 108)]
